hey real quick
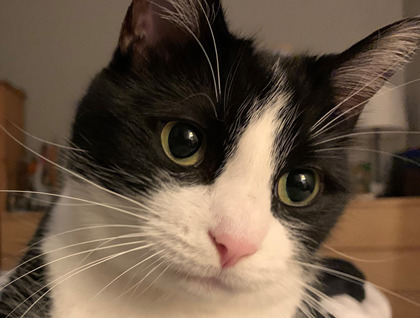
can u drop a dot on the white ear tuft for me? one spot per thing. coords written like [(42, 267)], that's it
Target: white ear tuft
[(367, 65)]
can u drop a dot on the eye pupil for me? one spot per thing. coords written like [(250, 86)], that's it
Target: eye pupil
[(300, 185), (184, 140)]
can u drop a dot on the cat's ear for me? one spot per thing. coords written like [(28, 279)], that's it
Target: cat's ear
[(366, 66), (155, 25)]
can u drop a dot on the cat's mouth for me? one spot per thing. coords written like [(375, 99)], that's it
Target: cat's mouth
[(207, 282)]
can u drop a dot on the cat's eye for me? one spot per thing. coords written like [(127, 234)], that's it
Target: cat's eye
[(183, 143), (299, 187)]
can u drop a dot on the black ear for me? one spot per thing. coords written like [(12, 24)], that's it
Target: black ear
[(365, 67), (156, 25)]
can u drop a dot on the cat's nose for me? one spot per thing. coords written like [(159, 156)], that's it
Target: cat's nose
[(231, 250)]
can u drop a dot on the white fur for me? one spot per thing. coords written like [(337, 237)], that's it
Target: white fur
[(375, 305), (177, 222)]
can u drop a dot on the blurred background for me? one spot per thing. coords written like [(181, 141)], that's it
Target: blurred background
[(51, 49)]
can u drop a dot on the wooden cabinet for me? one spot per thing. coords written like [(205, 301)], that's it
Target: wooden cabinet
[(382, 237), (11, 153), (11, 120), (17, 230)]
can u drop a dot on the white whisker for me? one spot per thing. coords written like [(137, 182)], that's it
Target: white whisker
[(67, 170), (355, 280), (363, 133), (80, 200), (67, 257), (370, 150), (355, 93), (107, 240), (123, 273), (216, 52), (361, 260), (45, 141), (156, 279), (78, 271), (171, 16), (323, 128)]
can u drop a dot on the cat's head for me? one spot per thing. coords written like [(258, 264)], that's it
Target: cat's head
[(223, 144)]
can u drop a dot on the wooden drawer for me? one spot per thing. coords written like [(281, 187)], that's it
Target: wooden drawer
[(17, 230), (382, 237), (377, 224)]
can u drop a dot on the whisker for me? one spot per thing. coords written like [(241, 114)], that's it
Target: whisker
[(216, 52), (317, 123), (78, 199), (43, 140), (305, 310), (75, 245), (361, 260), (362, 133), (371, 150), (66, 257), (355, 280), (356, 106), (123, 273), (136, 285), (93, 227), (172, 17), (203, 95), (229, 85), (155, 280), (313, 304), (105, 259), (68, 170)]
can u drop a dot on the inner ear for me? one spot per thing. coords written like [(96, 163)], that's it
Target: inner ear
[(365, 67), (157, 25), (148, 24)]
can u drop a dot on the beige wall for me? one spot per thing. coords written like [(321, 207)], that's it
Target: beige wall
[(412, 8), (315, 25), (51, 48)]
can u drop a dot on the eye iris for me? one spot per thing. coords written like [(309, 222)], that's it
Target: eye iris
[(300, 185), (184, 141)]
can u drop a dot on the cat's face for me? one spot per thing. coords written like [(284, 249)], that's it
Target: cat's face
[(222, 144)]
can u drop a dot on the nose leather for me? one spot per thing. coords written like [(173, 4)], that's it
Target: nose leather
[(231, 250)]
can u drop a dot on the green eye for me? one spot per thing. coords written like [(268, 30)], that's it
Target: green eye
[(299, 187), (183, 143)]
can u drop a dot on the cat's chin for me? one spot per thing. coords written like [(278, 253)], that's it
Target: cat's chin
[(210, 287), (199, 286)]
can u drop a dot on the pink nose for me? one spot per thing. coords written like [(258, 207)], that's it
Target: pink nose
[(231, 250)]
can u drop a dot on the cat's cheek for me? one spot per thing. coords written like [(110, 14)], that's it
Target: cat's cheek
[(182, 227), (275, 258)]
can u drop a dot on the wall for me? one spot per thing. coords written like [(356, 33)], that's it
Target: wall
[(52, 48), (412, 8)]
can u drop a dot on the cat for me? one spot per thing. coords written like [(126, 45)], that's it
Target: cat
[(205, 173)]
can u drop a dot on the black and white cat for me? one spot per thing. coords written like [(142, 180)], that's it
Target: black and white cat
[(207, 173)]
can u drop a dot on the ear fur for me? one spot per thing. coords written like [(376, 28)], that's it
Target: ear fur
[(157, 24), (367, 65)]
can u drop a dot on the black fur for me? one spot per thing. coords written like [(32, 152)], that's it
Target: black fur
[(119, 120), (17, 297)]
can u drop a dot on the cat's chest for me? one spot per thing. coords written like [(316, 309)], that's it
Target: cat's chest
[(73, 299)]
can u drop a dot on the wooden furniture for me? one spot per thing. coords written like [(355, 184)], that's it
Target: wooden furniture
[(382, 237), (11, 119), (11, 153), (17, 230)]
